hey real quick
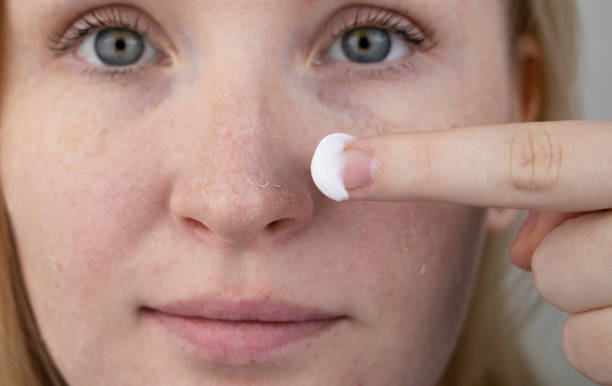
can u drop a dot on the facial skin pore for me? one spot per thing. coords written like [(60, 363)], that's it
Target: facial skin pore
[(191, 177)]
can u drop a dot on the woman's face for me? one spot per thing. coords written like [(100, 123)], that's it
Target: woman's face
[(172, 167)]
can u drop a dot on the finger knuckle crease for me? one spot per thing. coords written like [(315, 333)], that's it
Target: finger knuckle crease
[(535, 159)]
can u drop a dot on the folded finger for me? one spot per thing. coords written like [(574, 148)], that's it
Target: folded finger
[(587, 343), (535, 227), (572, 265)]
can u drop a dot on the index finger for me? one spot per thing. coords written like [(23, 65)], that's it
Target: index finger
[(563, 166)]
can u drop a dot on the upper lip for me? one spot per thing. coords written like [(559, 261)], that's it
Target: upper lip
[(258, 309)]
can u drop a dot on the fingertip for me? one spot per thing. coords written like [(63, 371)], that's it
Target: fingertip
[(327, 165)]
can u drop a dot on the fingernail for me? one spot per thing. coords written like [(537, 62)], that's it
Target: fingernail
[(528, 225), (359, 169)]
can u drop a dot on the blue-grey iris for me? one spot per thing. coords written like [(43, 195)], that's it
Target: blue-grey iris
[(119, 46), (366, 44)]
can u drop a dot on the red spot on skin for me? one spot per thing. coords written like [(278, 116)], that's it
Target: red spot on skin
[(157, 270)]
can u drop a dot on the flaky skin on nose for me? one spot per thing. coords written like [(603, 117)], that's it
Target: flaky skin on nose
[(239, 181)]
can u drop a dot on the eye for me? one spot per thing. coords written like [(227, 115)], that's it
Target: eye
[(116, 47), (368, 45), (379, 41)]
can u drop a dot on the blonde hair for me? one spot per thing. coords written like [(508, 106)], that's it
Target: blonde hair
[(25, 361)]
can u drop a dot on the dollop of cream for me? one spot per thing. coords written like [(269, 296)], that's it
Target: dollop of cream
[(327, 165)]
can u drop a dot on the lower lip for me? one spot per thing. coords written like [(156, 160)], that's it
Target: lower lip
[(239, 343)]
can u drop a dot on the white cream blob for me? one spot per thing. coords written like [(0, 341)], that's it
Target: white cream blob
[(327, 165)]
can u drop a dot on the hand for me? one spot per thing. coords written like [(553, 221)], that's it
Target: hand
[(560, 170)]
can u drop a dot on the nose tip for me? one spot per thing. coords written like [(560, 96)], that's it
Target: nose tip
[(241, 217)]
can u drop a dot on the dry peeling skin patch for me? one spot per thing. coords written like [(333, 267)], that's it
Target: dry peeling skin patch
[(327, 165)]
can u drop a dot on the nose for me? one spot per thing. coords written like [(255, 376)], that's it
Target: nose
[(239, 183)]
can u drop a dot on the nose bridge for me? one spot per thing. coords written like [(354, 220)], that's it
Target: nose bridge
[(243, 186), (239, 135)]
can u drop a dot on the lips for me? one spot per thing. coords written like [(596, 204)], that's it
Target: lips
[(262, 310), (242, 332)]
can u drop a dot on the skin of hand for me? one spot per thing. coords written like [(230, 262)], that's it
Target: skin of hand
[(558, 170)]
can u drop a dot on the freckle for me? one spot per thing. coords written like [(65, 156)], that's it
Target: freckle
[(71, 141), (99, 146), (220, 113)]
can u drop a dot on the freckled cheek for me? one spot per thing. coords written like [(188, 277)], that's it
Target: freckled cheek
[(442, 97), (390, 242), (82, 193)]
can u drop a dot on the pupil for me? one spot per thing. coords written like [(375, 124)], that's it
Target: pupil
[(120, 45), (364, 43)]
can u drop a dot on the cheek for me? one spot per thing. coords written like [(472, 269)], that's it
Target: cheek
[(406, 270), (419, 246), (79, 181)]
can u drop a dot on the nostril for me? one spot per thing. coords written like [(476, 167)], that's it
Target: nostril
[(196, 227), (280, 225)]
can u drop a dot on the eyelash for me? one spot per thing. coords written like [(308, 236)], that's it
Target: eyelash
[(386, 18)]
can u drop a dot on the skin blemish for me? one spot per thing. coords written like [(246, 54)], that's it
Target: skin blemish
[(99, 145), (259, 185), (70, 142)]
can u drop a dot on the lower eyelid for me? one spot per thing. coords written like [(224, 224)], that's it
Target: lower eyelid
[(398, 69)]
